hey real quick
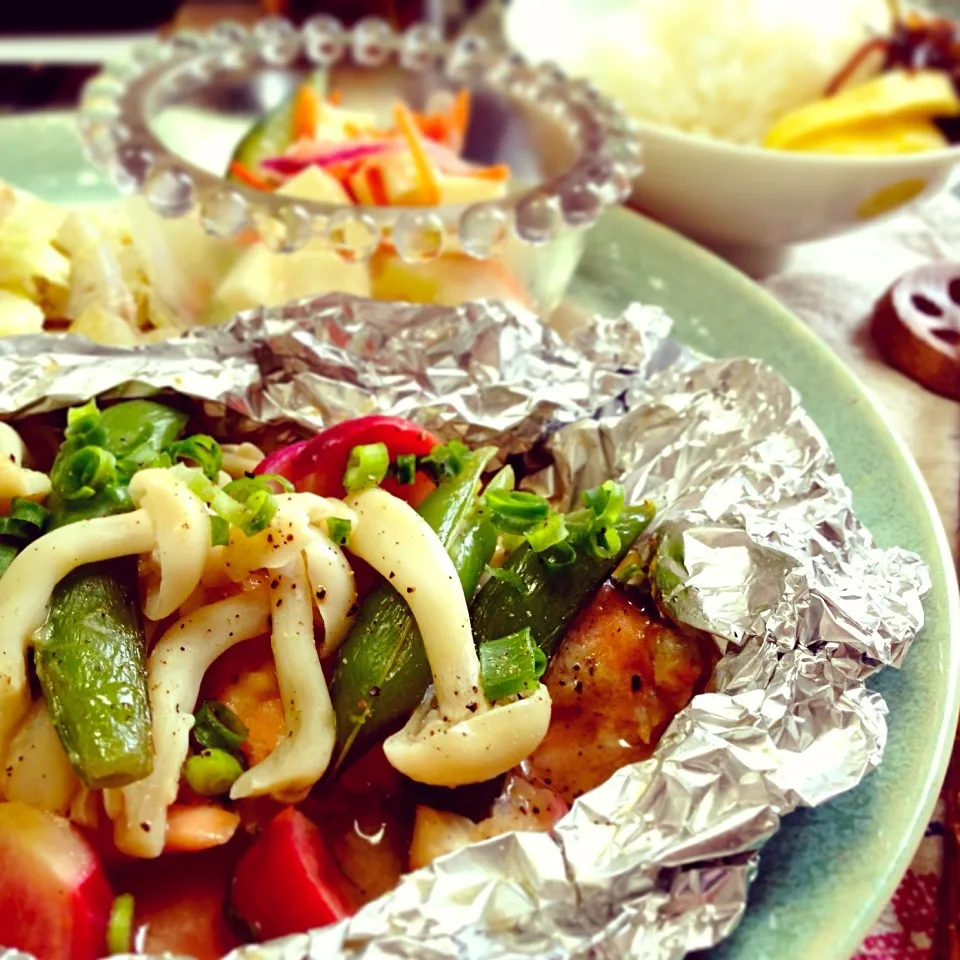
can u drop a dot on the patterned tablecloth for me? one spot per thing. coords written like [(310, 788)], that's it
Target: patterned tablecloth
[(833, 285)]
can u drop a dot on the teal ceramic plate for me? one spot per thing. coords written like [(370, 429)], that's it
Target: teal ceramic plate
[(827, 874)]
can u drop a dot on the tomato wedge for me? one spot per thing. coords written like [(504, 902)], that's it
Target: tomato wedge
[(288, 881), (317, 465), (54, 897)]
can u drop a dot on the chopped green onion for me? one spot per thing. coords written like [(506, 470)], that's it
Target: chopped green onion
[(29, 512), (605, 502), (559, 555), (547, 533), (83, 473), (445, 462), (82, 420), (339, 530), (18, 529), (366, 467), (120, 925), (515, 511), (212, 773), (219, 532), (250, 515), (218, 727), (511, 665), (604, 543), (244, 487), (509, 576), (7, 552), (406, 467), (201, 450)]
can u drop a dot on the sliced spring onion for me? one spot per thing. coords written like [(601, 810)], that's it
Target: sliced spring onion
[(212, 772), (29, 512), (547, 533), (604, 543), (446, 461), (17, 529), (83, 473), (559, 555), (509, 576), (82, 420), (339, 530), (406, 468), (120, 925), (511, 665), (250, 515), (7, 552), (366, 467), (219, 532), (216, 726), (200, 450), (516, 511), (605, 502)]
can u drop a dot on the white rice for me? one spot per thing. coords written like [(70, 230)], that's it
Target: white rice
[(719, 68)]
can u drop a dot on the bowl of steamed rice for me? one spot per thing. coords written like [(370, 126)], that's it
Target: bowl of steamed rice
[(767, 122)]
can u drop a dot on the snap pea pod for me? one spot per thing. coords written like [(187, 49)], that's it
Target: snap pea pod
[(382, 670), (92, 663), (551, 598), (92, 670)]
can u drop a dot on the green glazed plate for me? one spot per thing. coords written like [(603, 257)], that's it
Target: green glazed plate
[(827, 874)]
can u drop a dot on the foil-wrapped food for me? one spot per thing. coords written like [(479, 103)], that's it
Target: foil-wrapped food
[(754, 584)]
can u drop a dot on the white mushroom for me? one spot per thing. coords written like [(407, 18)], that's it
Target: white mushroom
[(302, 756), (170, 520), (455, 737), (15, 479), (175, 671)]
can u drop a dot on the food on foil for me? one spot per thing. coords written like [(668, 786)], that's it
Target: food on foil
[(76, 271), (330, 665), (841, 77), (754, 542)]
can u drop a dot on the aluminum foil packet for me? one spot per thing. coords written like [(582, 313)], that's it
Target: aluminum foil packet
[(656, 862)]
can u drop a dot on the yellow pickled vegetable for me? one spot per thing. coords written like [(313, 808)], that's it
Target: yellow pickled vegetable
[(898, 105), (877, 139)]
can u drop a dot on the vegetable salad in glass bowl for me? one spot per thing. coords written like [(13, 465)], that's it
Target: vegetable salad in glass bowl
[(279, 163), (330, 664)]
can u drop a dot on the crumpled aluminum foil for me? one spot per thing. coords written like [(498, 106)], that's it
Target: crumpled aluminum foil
[(656, 862)]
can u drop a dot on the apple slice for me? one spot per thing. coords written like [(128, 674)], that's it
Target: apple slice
[(54, 897)]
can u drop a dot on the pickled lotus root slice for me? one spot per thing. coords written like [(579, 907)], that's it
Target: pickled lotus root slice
[(917, 327)]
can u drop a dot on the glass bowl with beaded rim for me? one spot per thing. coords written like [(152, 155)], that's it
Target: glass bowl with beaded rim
[(172, 121)]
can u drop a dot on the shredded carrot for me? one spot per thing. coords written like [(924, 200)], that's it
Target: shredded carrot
[(251, 179), (429, 184), (499, 171), (352, 130), (373, 174), (200, 827), (335, 98), (306, 113), (460, 112)]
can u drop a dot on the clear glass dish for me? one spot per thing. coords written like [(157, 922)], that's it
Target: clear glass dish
[(165, 122)]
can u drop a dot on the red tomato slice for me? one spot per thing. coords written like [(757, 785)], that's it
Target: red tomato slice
[(288, 881), (54, 897), (317, 465)]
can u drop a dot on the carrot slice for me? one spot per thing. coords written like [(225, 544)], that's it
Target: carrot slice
[(460, 112), (200, 827), (499, 171), (378, 191), (429, 183), (335, 98), (251, 179), (306, 113)]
